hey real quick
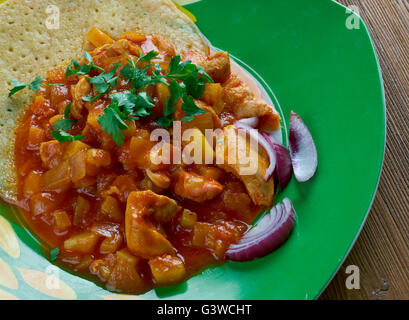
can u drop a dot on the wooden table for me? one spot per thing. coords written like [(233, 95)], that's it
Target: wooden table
[(382, 249)]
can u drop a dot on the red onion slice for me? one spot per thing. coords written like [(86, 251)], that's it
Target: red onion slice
[(251, 122), (255, 134), (268, 234), (284, 167), (302, 149)]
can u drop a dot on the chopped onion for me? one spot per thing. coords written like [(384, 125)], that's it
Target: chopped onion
[(251, 122), (268, 234), (255, 134), (284, 167), (302, 149)]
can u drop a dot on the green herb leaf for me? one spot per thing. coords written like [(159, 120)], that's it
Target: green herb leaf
[(187, 118), (17, 86), (149, 56), (54, 84), (67, 111), (36, 83), (112, 122), (63, 136), (190, 108)]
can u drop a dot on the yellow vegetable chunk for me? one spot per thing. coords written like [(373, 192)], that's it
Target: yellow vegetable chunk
[(84, 242), (111, 207), (35, 137), (98, 157), (188, 219), (197, 147), (213, 95), (167, 269), (163, 93), (111, 244), (58, 179), (41, 203), (98, 38), (133, 36), (73, 147), (54, 119), (51, 153), (130, 130), (62, 220), (78, 164), (32, 183), (124, 275), (82, 207)]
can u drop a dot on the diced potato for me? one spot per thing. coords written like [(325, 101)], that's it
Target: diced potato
[(55, 118), (188, 219), (98, 38), (35, 137), (111, 207), (139, 150), (125, 276), (85, 182), (78, 164), (58, 179), (51, 153), (93, 116), (73, 147), (41, 203), (83, 242), (167, 269), (98, 157), (201, 121), (84, 263), (111, 245), (62, 220), (131, 130), (163, 93), (32, 183), (133, 36), (213, 95), (82, 207), (198, 148)]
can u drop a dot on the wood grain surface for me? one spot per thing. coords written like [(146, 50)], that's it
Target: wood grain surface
[(382, 249)]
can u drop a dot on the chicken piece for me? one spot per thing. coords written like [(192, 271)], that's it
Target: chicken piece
[(216, 65), (164, 46), (81, 89), (146, 209), (229, 158), (244, 104), (195, 187), (124, 47)]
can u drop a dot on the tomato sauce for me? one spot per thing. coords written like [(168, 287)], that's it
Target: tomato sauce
[(74, 195)]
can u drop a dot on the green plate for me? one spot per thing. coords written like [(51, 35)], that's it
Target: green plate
[(326, 72)]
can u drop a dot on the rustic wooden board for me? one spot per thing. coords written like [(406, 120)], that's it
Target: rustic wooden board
[(382, 249)]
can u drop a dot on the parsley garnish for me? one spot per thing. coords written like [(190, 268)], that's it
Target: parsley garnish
[(103, 83), (62, 125), (76, 68), (18, 86)]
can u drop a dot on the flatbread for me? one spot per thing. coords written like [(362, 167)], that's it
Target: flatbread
[(29, 48)]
